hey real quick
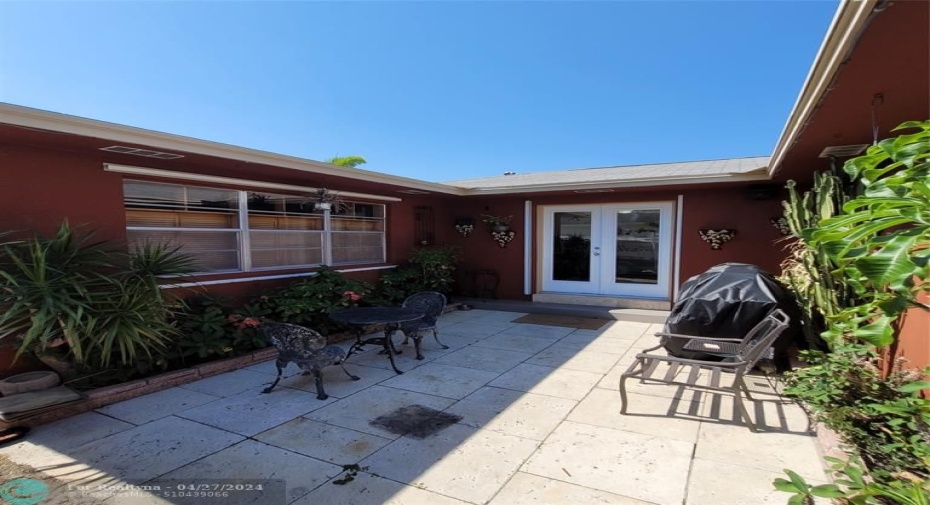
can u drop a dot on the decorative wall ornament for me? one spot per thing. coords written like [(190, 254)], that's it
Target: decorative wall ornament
[(780, 224), (503, 237), (465, 225), (716, 238)]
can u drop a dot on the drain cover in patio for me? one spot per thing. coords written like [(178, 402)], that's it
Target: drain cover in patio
[(415, 420)]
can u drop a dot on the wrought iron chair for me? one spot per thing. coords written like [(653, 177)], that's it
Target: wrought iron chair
[(738, 356), (307, 349), (432, 304)]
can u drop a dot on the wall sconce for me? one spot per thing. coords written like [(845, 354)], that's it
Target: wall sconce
[(781, 224), (716, 238), (465, 225), (503, 237)]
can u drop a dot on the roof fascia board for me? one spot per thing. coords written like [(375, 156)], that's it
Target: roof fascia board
[(637, 183), (850, 19), (188, 176), (63, 123)]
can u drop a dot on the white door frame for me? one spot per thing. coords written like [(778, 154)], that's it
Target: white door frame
[(603, 251)]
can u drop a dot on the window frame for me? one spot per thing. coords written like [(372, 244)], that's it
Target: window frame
[(243, 231)]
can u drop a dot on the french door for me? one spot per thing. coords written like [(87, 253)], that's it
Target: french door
[(611, 249)]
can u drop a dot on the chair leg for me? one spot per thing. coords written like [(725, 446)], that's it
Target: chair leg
[(417, 340), (738, 399), (623, 398), (436, 337), (280, 366), (318, 378), (346, 370)]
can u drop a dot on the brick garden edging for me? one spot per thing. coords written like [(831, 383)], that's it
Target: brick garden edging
[(101, 397)]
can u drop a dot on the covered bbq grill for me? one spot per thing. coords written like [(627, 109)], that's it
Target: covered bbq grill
[(726, 301)]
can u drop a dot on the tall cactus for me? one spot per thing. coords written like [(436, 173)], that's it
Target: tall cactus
[(808, 270)]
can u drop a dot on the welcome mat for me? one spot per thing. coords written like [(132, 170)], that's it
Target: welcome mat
[(582, 323)]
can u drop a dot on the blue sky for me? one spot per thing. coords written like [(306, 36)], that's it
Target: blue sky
[(431, 90)]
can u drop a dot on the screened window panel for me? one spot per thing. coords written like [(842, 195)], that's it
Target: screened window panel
[(270, 258), (179, 219), (357, 224), (348, 247), (265, 222), (211, 250), (283, 230), (152, 194), (285, 248)]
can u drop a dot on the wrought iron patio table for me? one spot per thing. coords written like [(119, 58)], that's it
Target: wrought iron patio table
[(390, 317)]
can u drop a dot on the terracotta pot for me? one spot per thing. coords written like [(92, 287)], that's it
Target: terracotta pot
[(23, 364)]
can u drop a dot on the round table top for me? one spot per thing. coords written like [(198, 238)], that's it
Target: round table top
[(376, 315)]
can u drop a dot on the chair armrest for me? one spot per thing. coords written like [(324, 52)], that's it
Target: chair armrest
[(691, 337), (685, 361)]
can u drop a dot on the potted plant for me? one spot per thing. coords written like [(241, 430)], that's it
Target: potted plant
[(258, 201), (498, 223), (324, 199)]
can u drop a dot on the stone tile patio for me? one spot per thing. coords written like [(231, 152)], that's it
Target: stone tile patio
[(540, 424)]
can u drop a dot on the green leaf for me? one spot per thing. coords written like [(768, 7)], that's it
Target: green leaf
[(891, 264), (827, 491), (785, 485), (914, 387)]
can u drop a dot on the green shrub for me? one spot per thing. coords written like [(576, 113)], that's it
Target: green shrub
[(884, 419), (90, 303), (308, 302)]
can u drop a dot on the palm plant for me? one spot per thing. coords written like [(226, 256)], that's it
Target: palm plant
[(96, 302)]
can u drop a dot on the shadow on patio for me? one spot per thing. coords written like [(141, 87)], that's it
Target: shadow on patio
[(539, 423)]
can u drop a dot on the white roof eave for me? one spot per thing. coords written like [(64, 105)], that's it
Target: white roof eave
[(756, 175)]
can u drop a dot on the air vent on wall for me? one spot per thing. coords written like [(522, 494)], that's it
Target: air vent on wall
[(142, 152), (843, 151), (413, 191), (594, 191)]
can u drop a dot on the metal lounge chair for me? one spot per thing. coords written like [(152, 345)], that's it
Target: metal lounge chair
[(307, 349), (738, 356), (432, 304)]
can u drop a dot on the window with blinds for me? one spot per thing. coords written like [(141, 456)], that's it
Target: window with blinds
[(232, 230)]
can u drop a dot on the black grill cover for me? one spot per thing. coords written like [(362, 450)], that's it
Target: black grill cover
[(726, 301)]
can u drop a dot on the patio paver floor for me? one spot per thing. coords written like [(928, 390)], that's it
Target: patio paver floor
[(540, 425)]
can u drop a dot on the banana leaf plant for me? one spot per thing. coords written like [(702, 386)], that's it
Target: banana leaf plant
[(881, 242)]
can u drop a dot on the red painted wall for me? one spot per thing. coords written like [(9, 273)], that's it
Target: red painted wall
[(45, 186), (914, 338), (757, 241)]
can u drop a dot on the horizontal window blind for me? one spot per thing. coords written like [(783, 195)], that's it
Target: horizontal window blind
[(276, 231)]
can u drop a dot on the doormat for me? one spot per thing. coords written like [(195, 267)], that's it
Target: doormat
[(582, 323), (415, 420)]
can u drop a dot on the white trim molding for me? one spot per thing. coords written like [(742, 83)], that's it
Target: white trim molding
[(251, 184), (267, 277), (850, 20), (527, 247), (679, 225)]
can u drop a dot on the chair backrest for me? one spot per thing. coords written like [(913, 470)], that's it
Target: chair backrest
[(430, 302), (293, 340), (762, 336)]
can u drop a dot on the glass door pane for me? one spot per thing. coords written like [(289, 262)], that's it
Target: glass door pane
[(637, 244), (571, 248)]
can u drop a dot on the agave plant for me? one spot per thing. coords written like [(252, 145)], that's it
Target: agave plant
[(93, 300)]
